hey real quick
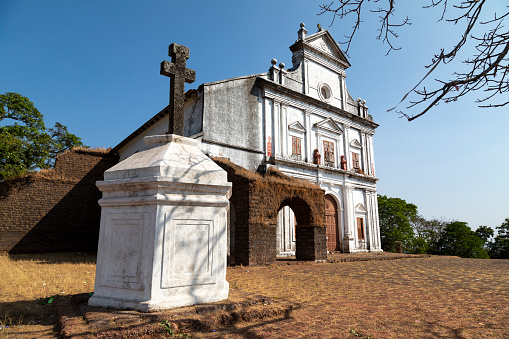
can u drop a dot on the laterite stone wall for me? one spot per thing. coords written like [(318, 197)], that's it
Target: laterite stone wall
[(257, 200), (55, 210)]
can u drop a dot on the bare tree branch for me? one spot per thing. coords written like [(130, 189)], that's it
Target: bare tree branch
[(487, 69)]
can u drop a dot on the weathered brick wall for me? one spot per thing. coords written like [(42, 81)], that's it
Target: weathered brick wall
[(257, 200), (311, 243), (54, 210)]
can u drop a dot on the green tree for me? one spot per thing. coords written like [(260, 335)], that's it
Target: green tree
[(395, 222), (499, 248), (458, 239), (26, 144), (484, 232)]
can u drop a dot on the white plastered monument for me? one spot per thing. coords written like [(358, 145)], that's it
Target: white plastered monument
[(163, 235)]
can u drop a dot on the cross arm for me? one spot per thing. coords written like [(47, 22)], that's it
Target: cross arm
[(169, 69)]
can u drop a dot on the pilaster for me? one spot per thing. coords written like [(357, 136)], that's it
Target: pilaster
[(284, 130), (348, 156), (348, 239), (309, 156), (365, 163), (276, 106)]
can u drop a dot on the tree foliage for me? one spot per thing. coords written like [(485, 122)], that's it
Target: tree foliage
[(395, 222), (484, 232), (487, 68), (499, 248), (459, 240), (429, 231), (25, 143), (401, 224)]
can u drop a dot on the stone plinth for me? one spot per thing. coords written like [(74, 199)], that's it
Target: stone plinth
[(162, 242)]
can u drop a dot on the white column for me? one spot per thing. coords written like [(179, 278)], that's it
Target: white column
[(370, 220), (306, 78), (368, 170), (269, 123), (372, 156), (348, 156), (284, 131), (348, 239), (309, 155), (364, 153), (377, 223), (276, 149)]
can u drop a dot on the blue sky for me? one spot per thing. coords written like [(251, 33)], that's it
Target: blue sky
[(94, 67)]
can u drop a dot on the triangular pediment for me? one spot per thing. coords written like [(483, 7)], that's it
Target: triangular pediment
[(329, 125), (359, 208), (297, 126), (325, 43), (355, 143)]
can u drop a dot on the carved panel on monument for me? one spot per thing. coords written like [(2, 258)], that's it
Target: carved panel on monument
[(124, 258), (187, 253)]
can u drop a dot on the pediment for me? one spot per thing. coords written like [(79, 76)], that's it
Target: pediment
[(359, 208), (297, 126), (355, 143), (329, 125), (324, 42)]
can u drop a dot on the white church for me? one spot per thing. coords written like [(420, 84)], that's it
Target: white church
[(301, 120)]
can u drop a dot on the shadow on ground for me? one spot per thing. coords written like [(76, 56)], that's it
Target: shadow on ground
[(77, 320)]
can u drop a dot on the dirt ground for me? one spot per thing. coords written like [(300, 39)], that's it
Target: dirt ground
[(436, 297)]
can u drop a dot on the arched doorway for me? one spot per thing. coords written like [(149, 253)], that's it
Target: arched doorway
[(331, 222), (286, 224)]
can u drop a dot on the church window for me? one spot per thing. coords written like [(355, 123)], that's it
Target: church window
[(324, 92), (360, 228), (328, 153), (296, 146), (355, 161)]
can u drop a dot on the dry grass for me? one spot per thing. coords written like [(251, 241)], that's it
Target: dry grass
[(437, 297), (96, 150), (27, 281)]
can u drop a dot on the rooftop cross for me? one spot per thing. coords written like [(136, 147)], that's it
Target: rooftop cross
[(179, 74)]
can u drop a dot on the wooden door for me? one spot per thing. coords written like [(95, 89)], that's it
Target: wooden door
[(331, 221)]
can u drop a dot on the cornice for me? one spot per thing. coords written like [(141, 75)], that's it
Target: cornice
[(294, 163), (365, 125), (306, 44), (322, 59)]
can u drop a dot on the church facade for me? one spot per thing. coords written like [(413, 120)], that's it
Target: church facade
[(301, 120)]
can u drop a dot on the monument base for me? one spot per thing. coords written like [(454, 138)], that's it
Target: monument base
[(162, 241), (155, 305)]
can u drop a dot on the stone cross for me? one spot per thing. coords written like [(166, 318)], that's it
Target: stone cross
[(179, 74)]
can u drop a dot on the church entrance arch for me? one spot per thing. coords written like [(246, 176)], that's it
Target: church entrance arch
[(286, 224), (331, 223)]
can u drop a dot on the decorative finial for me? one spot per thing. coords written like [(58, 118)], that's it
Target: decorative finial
[(319, 27), (302, 32), (358, 99), (363, 102), (273, 62), (282, 65)]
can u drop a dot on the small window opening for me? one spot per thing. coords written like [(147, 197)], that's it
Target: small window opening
[(355, 161), (360, 228), (296, 147), (328, 153)]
